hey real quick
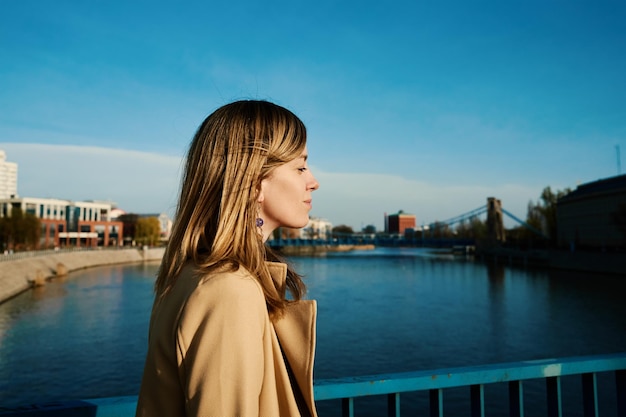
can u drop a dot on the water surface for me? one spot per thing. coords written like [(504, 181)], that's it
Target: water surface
[(381, 311)]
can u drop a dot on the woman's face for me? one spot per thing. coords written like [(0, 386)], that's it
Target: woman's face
[(285, 196)]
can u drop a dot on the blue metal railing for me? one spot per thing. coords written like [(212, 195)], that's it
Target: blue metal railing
[(475, 378), (436, 382)]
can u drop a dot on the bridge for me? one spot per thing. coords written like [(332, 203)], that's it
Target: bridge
[(428, 237), (495, 219)]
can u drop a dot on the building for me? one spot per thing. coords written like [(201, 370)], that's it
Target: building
[(69, 223), (317, 228), (399, 223), (585, 217), (8, 177), (130, 221), (166, 226)]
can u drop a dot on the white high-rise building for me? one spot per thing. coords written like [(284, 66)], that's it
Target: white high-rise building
[(8, 177)]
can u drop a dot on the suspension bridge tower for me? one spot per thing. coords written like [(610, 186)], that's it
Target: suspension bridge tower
[(495, 224)]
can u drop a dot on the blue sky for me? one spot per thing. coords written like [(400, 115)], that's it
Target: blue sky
[(429, 107)]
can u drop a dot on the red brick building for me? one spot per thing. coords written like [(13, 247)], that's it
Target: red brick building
[(398, 223)]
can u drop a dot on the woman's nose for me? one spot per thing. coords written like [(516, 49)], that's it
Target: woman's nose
[(313, 184)]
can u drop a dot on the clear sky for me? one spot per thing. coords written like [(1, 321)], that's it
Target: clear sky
[(424, 106)]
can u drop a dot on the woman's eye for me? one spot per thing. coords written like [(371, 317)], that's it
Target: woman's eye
[(302, 169)]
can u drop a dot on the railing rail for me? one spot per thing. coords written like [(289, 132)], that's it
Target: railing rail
[(434, 382), (475, 378)]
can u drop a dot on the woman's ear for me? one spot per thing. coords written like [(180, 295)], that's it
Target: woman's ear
[(260, 197)]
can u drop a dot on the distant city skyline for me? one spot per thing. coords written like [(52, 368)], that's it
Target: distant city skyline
[(429, 108), (156, 177)]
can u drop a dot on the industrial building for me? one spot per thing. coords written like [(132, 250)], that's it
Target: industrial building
[(399, 223), (586, 216)]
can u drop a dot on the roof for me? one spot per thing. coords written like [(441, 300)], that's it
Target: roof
[(610, 185), (401, 213)]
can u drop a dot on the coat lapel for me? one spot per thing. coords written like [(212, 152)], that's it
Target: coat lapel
[(296, 333)]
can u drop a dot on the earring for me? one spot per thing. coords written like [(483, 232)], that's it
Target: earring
[(259, 222)]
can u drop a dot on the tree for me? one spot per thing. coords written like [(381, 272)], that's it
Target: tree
[(342, 229), (439, 230), (369, 229), (148, 231), (129, 220), (475, 229), (20, 231), (542, 215)]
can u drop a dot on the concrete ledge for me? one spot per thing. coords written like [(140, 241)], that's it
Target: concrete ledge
[(19, 275)]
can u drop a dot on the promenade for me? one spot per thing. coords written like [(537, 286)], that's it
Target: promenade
[(22, 272)]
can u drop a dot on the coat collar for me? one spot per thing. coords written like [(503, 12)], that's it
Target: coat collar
[(278, 271)]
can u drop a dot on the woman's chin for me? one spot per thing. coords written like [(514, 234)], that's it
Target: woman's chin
[(297, 225)]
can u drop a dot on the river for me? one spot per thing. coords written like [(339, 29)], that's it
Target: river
[(379, 311)]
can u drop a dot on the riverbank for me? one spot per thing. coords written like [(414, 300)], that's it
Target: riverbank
[(320, 250), (613, 263), (17, 276)]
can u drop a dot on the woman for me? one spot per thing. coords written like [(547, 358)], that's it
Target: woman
[(224, 338)]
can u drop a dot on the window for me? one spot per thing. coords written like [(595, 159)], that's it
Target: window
[(31, 208)]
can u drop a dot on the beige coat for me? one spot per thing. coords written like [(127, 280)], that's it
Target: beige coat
[(213, 351)]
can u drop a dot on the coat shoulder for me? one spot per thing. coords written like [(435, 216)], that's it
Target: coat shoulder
[(225, 290)]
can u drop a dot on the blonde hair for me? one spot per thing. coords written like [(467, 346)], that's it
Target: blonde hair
[(234, 149)]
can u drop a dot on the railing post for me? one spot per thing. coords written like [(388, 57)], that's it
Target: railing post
[(436, 402), (590, 395), (620, 385), (347, 407), (477, 399), (393, 405), (516, 399), (553, 385)]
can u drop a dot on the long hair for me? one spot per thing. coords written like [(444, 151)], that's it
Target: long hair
[(234, 149)]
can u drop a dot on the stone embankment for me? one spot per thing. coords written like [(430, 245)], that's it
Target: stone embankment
[(309, 250), (17, 276)]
